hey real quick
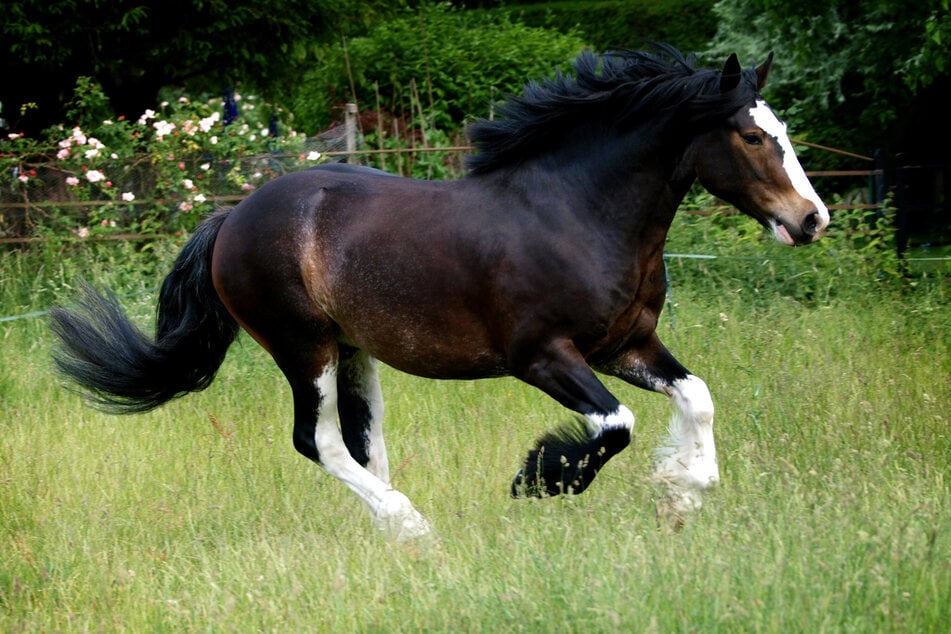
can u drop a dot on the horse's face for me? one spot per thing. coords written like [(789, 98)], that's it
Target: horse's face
[(750, 162)]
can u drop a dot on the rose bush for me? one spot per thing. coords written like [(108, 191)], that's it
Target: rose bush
[(161, 171)]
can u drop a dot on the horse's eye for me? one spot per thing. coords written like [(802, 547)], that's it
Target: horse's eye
[(752, 138)]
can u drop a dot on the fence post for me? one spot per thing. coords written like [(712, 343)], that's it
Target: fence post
[(350, 126), (902, 208)]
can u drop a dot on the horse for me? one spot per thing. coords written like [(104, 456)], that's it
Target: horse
[(543, 262)]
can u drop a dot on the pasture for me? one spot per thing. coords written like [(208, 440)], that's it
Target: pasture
[(834, 511)]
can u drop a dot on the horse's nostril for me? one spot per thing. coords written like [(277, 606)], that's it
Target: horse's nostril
[(810, 226)]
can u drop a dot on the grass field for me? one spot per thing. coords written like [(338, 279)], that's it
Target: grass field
[(834, 512)]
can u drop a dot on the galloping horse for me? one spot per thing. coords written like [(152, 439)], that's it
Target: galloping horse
[(544, 262)]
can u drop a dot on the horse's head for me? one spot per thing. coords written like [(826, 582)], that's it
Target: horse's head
[(749, 161)]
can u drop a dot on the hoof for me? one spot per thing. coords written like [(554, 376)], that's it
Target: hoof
[(399, 520), (404, 527), (523, 488), (675, 505)]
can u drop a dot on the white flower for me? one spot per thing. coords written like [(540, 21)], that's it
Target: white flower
[(92, 153), (128, 196), (188, 184), (149, 114), (83, 232), (206, 124), (163, 128), (96, 143), (313, 156), (205, 166), (94, 176), (200, 198), (14, 135), (214, 140)]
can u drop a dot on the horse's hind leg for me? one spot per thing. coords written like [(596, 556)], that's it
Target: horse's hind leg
[(360, 405), (318, 437)]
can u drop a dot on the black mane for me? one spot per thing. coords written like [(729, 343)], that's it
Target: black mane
[(621, 89)]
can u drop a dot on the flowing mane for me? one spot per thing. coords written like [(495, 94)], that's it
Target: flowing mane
[(618, 89)]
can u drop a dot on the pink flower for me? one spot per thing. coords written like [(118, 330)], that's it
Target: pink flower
[(23, 178), (64, 153), (72, 181), (94, 176)]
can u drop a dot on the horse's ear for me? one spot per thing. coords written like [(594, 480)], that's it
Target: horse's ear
[(730, 77), (763, 72)]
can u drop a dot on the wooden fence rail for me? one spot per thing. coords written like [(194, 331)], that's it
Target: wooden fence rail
[(349, 155)]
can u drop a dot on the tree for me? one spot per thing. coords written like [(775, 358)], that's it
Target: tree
[(133, 48), (857, 75)]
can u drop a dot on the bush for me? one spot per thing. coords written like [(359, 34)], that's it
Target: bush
[(449, 64), (175, 158), (613, 24)]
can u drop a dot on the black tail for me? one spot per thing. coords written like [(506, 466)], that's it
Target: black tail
[(124, 371)]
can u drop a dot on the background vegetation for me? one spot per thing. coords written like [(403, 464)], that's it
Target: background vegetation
[(828, 365), (833, 513)]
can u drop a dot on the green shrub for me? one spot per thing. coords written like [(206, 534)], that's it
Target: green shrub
[(613, 24), (447, 63)]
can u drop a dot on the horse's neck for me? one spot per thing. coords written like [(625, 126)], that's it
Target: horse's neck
[(633, 188)]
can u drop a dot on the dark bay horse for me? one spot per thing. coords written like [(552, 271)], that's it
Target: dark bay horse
[(544, 263)]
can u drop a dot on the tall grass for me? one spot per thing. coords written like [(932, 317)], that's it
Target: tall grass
[(834, 512)]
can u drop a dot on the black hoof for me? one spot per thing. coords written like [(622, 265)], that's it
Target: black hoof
[(567, 461)]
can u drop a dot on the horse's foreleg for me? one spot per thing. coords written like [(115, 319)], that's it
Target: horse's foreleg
[(360, 405), (318, 436), (568, 459), (685, 465)]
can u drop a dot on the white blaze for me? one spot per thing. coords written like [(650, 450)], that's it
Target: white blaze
[(767, 120)]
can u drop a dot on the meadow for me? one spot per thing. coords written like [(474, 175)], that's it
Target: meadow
[(832, 383)]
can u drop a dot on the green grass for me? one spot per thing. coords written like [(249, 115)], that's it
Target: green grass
[(834, 512)]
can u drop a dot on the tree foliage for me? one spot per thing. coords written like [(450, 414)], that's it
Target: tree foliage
[(135, 47), (857, 75), (453, 63)]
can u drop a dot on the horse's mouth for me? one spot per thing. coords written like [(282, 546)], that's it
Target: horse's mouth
[(781, 233)]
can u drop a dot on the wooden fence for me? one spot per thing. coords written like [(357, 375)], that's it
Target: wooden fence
[(875, 177)]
